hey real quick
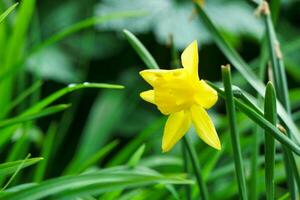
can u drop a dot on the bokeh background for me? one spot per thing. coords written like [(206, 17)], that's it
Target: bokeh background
[(102, 54)]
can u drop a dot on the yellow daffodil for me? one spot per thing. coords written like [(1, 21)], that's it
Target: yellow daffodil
[(182, 95)]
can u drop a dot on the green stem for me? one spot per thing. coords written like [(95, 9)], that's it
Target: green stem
[(186, 169), (237, 154), (270, 115), (196, 167), (282, 89)]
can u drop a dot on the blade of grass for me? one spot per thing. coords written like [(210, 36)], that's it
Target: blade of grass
[(282, 89), (45, 153), (29, 117), (127, 151), (7, 12), (70, 88), (270, 115), (97, 157), (261, 121), (235, 140), (13, 52), (92, 183), (15, 173), (141, 50), (243, 68), (10, 167), (22, 97), (136, 157)]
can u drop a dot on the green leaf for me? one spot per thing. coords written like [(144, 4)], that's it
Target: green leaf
[(235, 138), (244, 69), (270, 115), (10, 167), (97, 157), (22, 96), (135, 158), (70, 88), (46, 153), (92, 183), (28, 117), (7, 12), (141, 50), (261, 121)]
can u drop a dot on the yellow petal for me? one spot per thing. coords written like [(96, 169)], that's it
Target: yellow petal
[(148, 96), (207, 96), (152, 75), (177, 125), (205, 127), (189, 59)]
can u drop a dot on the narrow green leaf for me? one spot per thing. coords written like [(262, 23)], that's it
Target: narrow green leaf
[(46, 153), (28, 117), (270, 115), (70, 88), (16, 172), (124, 155), (97, 157), (10, 167), (92, 183), (261, 121), (135, 158), (141, 50), (235, 138), (243, 68), (22, 97), (7, 12)]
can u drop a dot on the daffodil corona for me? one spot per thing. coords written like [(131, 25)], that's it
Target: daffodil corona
[(180, 94)]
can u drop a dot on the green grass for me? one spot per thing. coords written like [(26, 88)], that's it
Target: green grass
[(94, 138)]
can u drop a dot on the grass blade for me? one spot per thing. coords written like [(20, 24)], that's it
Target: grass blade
[(270, 115), (16, 172), (243, 68), (10, 167), (22, 97), (92, 183), (235, 140), (261, 121), (141, 50), (7, 12), (75, 169), (46, 153), (42, 113), (70, 88)]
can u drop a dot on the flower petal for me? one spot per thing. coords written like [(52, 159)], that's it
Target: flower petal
[(207, 96), (177, 125), (152, 75), (205, 127), (148, 96), (189, 59)]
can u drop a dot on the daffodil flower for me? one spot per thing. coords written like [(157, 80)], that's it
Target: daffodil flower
[(180, 94)]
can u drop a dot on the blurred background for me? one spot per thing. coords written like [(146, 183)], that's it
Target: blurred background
[(102, 54)]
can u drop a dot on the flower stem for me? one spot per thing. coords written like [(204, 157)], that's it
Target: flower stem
[(237, 154), (196, 167), (270, 115), (186, 169)]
